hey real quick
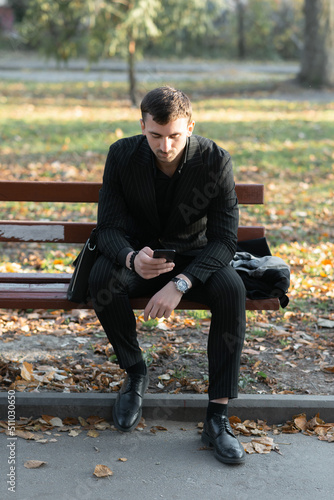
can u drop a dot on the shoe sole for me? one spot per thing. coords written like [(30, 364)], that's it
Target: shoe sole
[(133, 426), (207, 441)]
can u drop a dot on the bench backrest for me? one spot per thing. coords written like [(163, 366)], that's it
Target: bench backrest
[(83, 192)]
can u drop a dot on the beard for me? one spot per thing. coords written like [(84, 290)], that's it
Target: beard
[(166, 157)]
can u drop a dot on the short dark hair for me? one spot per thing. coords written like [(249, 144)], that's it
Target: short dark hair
[(166, 104)]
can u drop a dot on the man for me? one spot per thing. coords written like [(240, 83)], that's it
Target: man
[(170, 189)]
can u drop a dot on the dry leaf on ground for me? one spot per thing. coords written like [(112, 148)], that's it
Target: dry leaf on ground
[(102, 471), (74, 433), (261, 445), (93, 433), (34, 464)]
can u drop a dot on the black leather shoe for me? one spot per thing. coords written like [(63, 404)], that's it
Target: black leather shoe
[(128, 406), (217, 432)]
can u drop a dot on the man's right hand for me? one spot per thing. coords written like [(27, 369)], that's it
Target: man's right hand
[(146, 266)]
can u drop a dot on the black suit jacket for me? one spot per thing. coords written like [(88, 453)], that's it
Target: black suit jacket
[(203, 220)]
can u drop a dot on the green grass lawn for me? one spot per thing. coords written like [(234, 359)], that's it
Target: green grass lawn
[(63, 131)]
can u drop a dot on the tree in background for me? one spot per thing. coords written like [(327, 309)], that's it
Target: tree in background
[(317, 63), (187, 25), (124, 27), (241, 8), (55, 28), (268, 29)]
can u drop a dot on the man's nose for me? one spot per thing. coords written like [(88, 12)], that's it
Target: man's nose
[(165, 144)]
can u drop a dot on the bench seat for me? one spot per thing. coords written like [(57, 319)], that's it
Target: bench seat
[(48, 290)]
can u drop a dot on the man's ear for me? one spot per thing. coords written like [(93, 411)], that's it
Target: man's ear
[(191, 127), (142, 124)]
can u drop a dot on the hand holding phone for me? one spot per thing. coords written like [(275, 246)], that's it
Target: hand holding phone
[(164, 253)]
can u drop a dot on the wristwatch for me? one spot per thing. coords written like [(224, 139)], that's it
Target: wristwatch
[(181, 284)]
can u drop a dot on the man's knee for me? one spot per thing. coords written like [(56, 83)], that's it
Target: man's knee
[(228, 284), (105, 280)]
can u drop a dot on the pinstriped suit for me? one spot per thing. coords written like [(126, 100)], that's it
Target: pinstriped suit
[(202, 228)]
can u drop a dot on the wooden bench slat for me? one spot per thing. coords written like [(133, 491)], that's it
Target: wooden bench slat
[(39, 191), (88, 192), (76, 232), (45, 232), (53, 296), (35, 277)]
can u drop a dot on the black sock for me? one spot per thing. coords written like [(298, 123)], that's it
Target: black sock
[(216, 408), (139, 368)]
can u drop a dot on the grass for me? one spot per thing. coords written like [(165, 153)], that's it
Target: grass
[(62, 131)]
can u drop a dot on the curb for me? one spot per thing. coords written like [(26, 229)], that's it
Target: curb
[(273, 408)]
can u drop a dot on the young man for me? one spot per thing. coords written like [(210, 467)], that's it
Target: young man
[(170, 189)]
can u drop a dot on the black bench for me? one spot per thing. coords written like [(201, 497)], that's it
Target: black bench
[(48, 290)]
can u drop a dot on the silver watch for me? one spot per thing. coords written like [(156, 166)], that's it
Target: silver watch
[(181, 284)]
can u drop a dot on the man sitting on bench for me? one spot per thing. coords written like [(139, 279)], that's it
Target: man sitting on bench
[(168, 189)]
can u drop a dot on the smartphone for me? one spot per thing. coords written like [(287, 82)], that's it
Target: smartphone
[(164, 253)]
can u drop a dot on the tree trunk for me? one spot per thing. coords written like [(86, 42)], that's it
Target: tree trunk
[(241, 29), (132, 76), (317, 63)]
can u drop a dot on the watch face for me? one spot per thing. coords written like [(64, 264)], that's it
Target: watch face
[(182, 285)]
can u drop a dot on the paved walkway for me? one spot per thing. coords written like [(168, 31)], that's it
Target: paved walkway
[(166, 465), (22, 66), (31, 67)]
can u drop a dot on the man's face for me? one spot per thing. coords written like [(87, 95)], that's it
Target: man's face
[(167, 141)]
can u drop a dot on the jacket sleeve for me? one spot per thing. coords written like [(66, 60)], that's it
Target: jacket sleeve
[(112, 210), (222, 223)]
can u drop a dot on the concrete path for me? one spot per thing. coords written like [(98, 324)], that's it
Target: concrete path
[(25, 66), (31, 67), (166, 465)]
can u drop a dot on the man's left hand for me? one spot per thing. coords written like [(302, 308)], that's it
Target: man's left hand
[(163, 302)]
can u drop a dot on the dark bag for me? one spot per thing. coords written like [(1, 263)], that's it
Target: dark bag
[(78, 288)]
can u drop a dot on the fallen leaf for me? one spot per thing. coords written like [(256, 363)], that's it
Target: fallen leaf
[(102, 426), (160, 428), (328, 369), (300, 421), (93, 433), (314, 422), (94, 419), (24, 434), (261, 448), (47, 418), (56, 422), (34, 464), (74, 433), (102, 471), (262, 445), (248, 447), (233, 420), (122, 459), (27, 371), (83, 422)]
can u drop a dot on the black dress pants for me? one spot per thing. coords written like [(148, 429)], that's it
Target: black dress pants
[(111, 286)]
